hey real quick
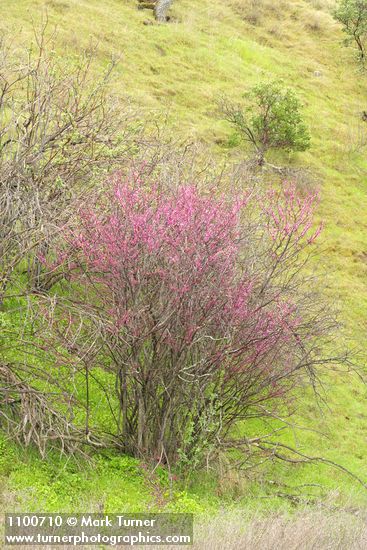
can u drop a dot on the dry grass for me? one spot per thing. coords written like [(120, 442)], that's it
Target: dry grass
[(326, 5), (316, 530), (305, 531), (254, 11)]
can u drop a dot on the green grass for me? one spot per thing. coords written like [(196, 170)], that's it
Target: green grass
[(224, 47)]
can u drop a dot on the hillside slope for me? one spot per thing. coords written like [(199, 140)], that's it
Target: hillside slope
[(213, 48)]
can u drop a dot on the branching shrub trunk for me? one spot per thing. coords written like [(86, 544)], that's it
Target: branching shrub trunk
[(28, 416)]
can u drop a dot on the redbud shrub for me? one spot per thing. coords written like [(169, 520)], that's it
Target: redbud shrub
[(188, 311)]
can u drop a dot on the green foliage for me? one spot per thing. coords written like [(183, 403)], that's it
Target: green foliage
[(185, 504), (194, 449), (352, 14), (271, 119), (7, 456), (278, 122), (108, 484)]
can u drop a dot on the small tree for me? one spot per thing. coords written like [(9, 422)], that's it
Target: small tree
[(271, 119), (352, 14)]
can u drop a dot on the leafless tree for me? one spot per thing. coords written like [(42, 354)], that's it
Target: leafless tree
[(59, 129)]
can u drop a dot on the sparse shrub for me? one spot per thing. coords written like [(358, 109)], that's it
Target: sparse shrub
[(315, 22), (249, 11), (256, 12), (271, 119)]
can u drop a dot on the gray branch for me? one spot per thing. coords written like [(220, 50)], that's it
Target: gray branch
[(161, 9)]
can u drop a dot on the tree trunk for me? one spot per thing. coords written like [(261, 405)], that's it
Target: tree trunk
[(161, 9)]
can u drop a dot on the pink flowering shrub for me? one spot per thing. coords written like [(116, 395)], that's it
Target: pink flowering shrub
[(196, 303)]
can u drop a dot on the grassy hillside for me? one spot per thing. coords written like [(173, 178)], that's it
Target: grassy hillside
[(212, 48)]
